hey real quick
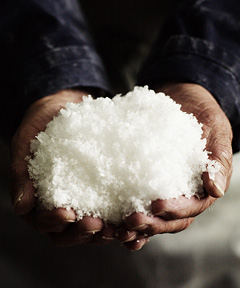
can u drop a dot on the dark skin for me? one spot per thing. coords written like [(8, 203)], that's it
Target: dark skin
[(170, 216)]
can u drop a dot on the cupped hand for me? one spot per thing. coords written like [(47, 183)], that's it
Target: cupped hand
[(174, 215), (60, 223)]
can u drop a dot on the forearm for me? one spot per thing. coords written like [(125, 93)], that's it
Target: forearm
[(47, 48), (199, 44)]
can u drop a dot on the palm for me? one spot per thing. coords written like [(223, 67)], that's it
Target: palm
[(174, 215), (216, 129), (60, 223)]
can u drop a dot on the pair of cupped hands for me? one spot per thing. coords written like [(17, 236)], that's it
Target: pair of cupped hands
[(170, 216)]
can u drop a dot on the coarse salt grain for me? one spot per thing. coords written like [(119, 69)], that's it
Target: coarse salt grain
[(109, 158)]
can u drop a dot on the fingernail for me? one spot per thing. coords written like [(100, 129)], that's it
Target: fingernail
[(220, 183), (107, 238), (69, 220), (140, 227), (146, 241), (219, 188), (90, 232), (139, 248), (130, 239), (18, 199), (161, 213)]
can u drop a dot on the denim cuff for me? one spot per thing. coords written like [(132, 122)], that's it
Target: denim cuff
[(192, 60), (62, 68)]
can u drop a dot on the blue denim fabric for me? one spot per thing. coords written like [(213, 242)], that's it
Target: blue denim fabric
[(46, 46), (200, 43)]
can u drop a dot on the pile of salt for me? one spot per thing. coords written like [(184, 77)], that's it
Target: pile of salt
[(109, 158)]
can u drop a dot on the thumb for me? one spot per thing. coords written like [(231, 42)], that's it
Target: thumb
[(221, 147), (21, 187)]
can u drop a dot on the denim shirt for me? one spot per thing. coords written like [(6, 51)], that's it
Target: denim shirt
[(200, 43), (46, 46)]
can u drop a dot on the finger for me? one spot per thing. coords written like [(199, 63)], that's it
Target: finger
[(181, 207), (50, 221), (89, 225), (229, 177), (216, 129), (21, 189), (156, 225), (136, 244), (123, 235), (220, 145), (34, 121), (78, 233), (106, 235), (68, 238)]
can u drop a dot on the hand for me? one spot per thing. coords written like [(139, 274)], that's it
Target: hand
[(59, 223), (175, 215)]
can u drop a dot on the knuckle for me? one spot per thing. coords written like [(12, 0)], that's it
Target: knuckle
[(159, 226), (135, 220), (181, 225), (204, 205)]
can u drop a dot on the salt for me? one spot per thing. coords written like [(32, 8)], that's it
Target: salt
[(109, 158)]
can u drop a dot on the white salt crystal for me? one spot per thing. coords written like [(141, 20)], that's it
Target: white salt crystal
[(109, 158)]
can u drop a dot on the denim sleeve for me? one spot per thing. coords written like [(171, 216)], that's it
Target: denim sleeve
[(45, 47), (200, 43)]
